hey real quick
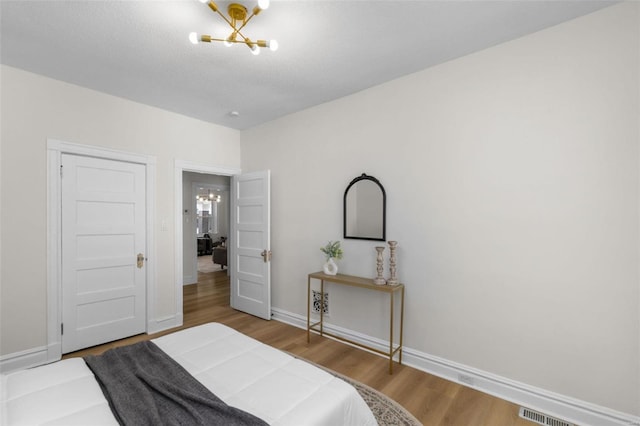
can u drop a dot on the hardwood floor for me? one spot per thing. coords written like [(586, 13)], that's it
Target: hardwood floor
[(432, 400)]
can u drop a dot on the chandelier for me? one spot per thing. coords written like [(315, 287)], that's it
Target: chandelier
[(237, 20), (210, 198)]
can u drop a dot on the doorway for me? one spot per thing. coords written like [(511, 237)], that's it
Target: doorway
[(253, 192), (205, 225), (186, 173)]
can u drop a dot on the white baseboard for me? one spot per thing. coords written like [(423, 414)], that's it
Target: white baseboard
[(162, 324), (556, 405), (24, 359), (45, 355)]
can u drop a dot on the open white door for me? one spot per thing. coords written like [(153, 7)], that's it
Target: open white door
[(250, 244), (103, 251)]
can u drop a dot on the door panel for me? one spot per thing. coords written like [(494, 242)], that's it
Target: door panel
[(250, 222), (103, 230)]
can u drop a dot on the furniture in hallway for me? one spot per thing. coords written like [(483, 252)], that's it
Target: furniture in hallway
[(205, 245), (220, 256)]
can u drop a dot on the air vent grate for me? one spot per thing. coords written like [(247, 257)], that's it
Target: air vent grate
[(542, 419), (317, 302)]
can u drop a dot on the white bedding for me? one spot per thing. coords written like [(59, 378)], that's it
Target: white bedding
[(240, 370)]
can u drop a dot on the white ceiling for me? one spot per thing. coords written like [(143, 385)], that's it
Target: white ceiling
[(139, 50)]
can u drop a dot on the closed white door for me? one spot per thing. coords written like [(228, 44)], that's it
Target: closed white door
[(250, 244), (103, 249)]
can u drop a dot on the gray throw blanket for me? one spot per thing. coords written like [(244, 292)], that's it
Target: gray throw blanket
[(144, 386)]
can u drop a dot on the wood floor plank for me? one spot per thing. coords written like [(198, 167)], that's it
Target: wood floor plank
[(501, 412), (432, 400), (469, 407)]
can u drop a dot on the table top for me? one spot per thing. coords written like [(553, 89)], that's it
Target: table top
[(355, 281)]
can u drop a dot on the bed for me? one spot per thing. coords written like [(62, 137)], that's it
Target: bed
[(242, 372)]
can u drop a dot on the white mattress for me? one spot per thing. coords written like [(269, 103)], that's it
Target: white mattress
[(241, 371)]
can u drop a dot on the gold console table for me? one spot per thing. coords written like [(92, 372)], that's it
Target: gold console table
[(366, 283)]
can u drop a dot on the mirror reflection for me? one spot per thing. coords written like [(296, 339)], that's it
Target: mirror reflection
[(365, 209)]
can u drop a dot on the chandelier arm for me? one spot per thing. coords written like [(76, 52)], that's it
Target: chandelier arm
[(246, 22), (226, 19), (235, 41), (245, 40), (243, 37)]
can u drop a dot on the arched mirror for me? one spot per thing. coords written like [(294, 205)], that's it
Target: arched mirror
[(365, 209)]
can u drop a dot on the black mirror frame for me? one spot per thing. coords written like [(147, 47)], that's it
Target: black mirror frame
[(364, 176)]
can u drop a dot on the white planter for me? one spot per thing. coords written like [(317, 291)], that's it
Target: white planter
[(330, 267)]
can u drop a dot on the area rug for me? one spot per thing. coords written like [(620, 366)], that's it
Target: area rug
[(386, 411), (206, 265)]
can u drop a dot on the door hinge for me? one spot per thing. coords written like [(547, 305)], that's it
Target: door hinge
[(61, 329), (61, 166)]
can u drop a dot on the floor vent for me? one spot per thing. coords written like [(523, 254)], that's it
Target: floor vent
[(542, 419)]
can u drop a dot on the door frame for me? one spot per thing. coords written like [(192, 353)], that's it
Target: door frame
[(55, 149), (179, 167)]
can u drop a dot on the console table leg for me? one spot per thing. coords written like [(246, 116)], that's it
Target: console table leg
[(321, 307), (390, 333), (308, 309), (401, 322)]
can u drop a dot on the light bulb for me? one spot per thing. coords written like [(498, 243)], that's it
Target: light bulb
[(204, 1), (273, 45), (263, 4), (229, 40), (193, 38), (255, 49)]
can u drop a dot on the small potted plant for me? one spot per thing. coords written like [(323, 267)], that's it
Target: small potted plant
[(331, 251)]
